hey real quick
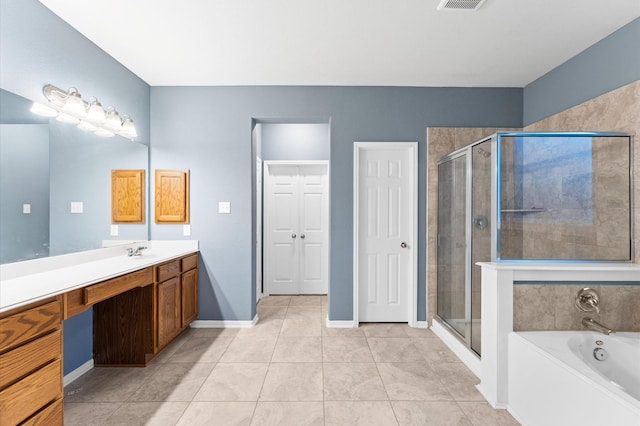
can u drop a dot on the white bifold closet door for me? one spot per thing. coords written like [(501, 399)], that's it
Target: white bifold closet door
[(296, 228)]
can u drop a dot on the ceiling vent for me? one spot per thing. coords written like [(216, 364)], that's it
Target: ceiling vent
[(460, 4)]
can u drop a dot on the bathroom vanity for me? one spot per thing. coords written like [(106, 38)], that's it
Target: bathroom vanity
[(140, 304)]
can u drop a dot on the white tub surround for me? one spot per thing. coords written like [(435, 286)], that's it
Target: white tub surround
[(26, 282), (551, 383), (497, 309)]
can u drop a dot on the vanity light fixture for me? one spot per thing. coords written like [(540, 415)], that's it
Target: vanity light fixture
[(69, 107)]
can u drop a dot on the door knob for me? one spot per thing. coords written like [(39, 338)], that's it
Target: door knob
[(302, 236), (403, 244), (293, 235)]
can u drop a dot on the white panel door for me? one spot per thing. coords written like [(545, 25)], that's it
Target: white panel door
[(296, 229), (385, 231), (313, 223), (281, 209)]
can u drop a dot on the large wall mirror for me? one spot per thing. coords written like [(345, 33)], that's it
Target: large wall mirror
[(45, 167)]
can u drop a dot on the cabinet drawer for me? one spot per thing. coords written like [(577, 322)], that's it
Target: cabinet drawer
[(52, 415), (27, 358), (20, 400), (168, 270), (22, 326), (189, 262), (106, 289)]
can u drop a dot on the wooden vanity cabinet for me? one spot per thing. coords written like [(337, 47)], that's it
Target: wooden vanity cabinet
[(31, 364), (176, 298)]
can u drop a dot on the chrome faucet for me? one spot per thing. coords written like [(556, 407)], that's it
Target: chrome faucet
[(135, 251), (595, 325), (587, 300)]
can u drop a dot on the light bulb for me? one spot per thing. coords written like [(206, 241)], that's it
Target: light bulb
[(43, 110), (104, 133), (113, 120), (74, 105), (128, 128), (96, 113), (66, 118)]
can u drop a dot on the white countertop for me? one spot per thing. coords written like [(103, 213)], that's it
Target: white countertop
[(26, 282)]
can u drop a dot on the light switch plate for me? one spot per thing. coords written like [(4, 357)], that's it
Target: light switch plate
[(26, 208), (224, 207), (186, 230), (114, 230), (77, 207)]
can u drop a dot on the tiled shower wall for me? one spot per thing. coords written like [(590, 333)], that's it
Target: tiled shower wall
[(618, 111)]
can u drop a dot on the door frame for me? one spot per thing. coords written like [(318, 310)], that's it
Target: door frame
[(266, 240), (412, 148)]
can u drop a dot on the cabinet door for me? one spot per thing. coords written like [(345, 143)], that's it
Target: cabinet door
[(168, 310), (189, 296)]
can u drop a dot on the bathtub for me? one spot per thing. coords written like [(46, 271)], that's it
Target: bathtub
[(555, 379)]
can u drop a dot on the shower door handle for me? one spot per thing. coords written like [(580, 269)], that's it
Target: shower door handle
[(403, 244)]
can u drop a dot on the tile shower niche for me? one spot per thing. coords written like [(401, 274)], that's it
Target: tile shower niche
[(527, 197)]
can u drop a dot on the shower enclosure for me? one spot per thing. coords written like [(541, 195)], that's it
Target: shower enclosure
[(527, 197)]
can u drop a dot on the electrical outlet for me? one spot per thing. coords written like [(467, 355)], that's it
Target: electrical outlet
[(26, 208), (77, 207), (224, 207), (186, 230), (114, 230)]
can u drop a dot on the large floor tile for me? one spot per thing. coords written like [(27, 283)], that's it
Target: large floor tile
[(372, 329), (312, 312), (434, 350), (270, 312), (307, 300), (217, 413), (412, 381), (275, 301), (173, 382), (346, 349), (201, 349), (459, 381), (353, 382), (358, 413), (173, 347), (293, 382), (394, 349), (250, 349), (88, 413), (482, 414), (233, 382), (148, 413), (269, 326), (289, 414), (341, 332), (108, 384), (419, 332), (429, 413), (301, 327), (298, 349)]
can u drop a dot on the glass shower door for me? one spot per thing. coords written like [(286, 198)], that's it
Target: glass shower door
[(451, 242)]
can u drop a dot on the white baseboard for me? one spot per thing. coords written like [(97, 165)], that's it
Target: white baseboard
[(466, 356), (341, 324), (422, 324), (75, 374), (224, 323)]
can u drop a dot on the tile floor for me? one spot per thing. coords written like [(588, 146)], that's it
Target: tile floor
[(288, 370)]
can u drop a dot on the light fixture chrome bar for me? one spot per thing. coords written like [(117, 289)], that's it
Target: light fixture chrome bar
[(68, 106)]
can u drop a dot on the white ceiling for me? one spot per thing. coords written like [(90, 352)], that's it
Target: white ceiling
[(507, 43)]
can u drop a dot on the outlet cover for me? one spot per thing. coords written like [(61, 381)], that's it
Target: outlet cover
[(186, 230), (224, 207), (77, 207), (114, 230), (26, 208)]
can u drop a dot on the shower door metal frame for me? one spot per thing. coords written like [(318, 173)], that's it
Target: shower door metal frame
[(468, 152)]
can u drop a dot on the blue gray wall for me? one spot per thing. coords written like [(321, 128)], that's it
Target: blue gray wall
[(607, 65), (295, 141), (208, 130), (38, 48)]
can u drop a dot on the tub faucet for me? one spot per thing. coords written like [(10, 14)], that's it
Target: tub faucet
[(595, 325), (135, 251)]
